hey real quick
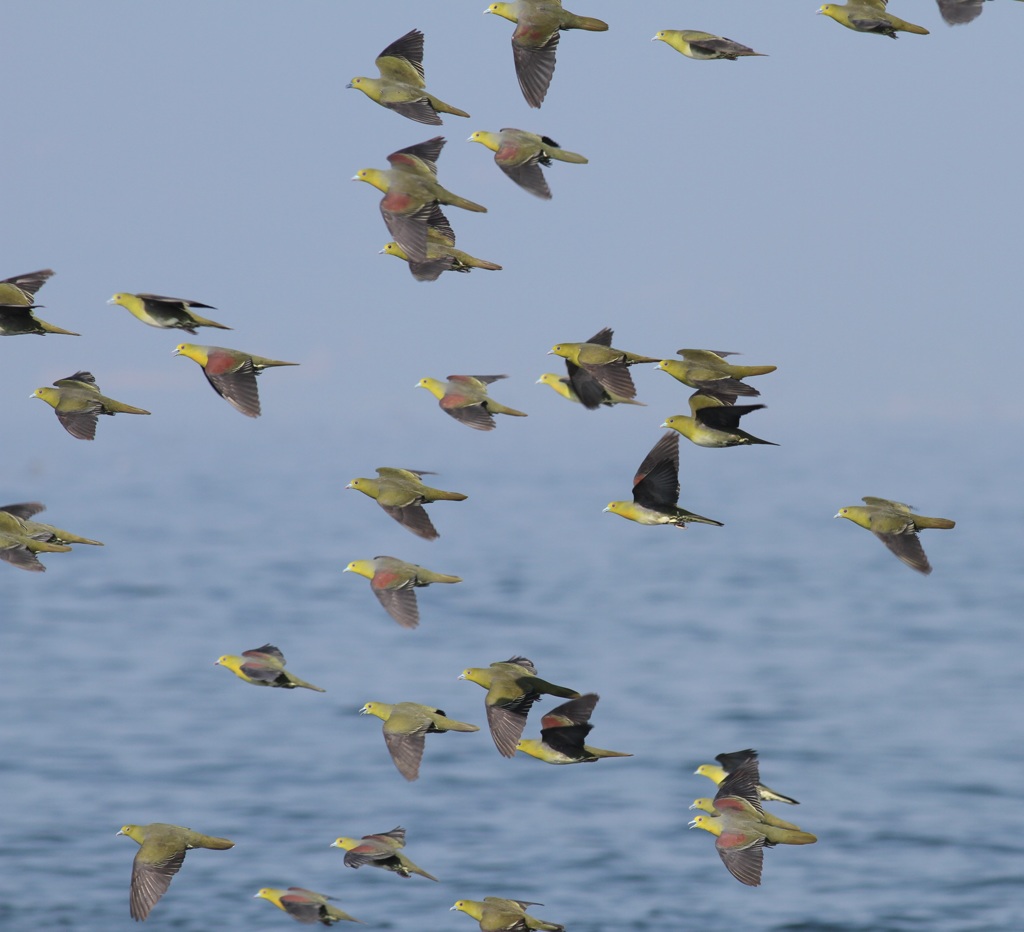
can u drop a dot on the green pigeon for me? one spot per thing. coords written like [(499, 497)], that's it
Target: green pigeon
[(394, 582), (305, 906), (22, 512), (703, 46), (512, 688), (495, 914), (263, 666), (535, 40), (708, 372), (166, 313), (402, 495), (465, 398), (19, 545), (656, 489), (597, 370), (382, 850), (17, 301), (713, 424), (411, 194), (740, 830), (869, 16), (231, 372), (406, 725), (730, 762), (896, 526), (563, 731), (520, 154), (400, 86), (161, 851), (563, 385), (442, 256), (78, 404)]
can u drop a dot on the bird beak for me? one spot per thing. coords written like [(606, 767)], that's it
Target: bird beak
[(693, 823), (606, 508), (550, 352), (354, 178), (118, 832), (380, 252), (461, 676), (450, 908), (663, 424), (349, 486), (112, 301), (255, 896), (837, 515), (692, 807), (364, 711), (350, 84), (175, 352), (334, 844), (654, 38)]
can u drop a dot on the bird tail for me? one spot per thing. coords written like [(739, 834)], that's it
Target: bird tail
[(464, 203), (42, 546), (206, 322), (633, 359), (442, 107), (741, 372), (261, 362), (449, 724), (119, 407), (910, 27), (789, 837), (441, 577), (53, 328), (66, 537), (591, 24), (483, 264), (601, 752), (564, 155), (295, 681), (212, 841), (416, 869), (922, 522), (495, 408), (561, 691), (441, 495)]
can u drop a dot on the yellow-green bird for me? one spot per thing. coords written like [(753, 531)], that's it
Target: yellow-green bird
[(23, 512), (402, 495), (535, 40), (512, 688), (602, 366), (17, 301), (713, 424), (400, 86), (706, 804), (305, 906), (166, 313), (740, 829), (19, 547), (703, 46), (162, 849), (442, 256), (896, 526), (394, 582), (382, 850), (707, 371), (563, 732), (263, 666), (563, 385), (231, 372), (869, 16), (495, 914), (465, 398), (959, 12), (78, 404), (728, 763), (520, 154), (656, 489), (411, 193), (406, 725)]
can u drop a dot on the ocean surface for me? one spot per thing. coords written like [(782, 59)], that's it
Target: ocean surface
[(888, 703)]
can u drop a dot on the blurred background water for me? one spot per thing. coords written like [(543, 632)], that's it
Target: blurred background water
[(846, 209)]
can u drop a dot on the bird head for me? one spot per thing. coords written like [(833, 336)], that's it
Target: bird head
[(614, 507), (433, 386), (393, 249), (373, 176), (659, 36), (381, 709), (119, 298), (362, 567), (490, 140), (50, 395), (505, 10), (704, 804), (134, 832)]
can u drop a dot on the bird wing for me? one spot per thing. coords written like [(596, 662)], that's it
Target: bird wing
[(260, 670), (81, 424), (406, 746), (420, 158), (402, 60), (237, 386), (742, 856), (150, 880), (603, 337), (588, 389), (299, 906), (724, 417), (420, 110), (907, 546), (733, 759), (614, 378), (535, 65), (163, 299), (573, 712), (506, 717), (267, 650), (430, 271), (567, 739), (888, 503), (23, 509), (413, 518), (17, 554), (409, 230), (400, 604), (475, 416), (656, 483)]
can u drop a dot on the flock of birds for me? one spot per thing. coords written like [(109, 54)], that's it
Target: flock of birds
[(597, 375)]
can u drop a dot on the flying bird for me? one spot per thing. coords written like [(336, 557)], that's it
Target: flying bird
[(656, 489), (394, 582), (563, 732), (77, 402), (19, 545), (896, 526), (869, 16), (713, 424), (231, 372), (512, 688), (442, 256), (520, 154), (17, 302), (535, 40), (23, 513), (406, 725), (465, 398), (495, 914), (402, 495), (708, 372), (263, 666), (305, 906), (412, 193), (563, 385), (161, 851), (383, 851), (729, 763), (597, 370), (400, 86), (703, 46), (166, 313)]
